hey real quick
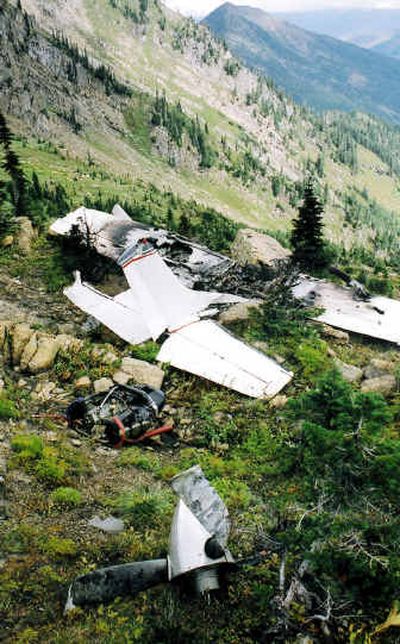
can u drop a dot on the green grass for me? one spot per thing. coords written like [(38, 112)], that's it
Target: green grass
[(137, 118), (66, 496)]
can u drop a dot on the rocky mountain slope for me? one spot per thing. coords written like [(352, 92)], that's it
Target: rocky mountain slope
[(314, 69), (273, 465), (154, 97), (390, 47)]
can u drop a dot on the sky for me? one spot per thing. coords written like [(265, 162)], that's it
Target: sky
[(203, 7)]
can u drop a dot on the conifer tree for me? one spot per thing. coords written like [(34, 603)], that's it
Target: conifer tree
[(309, 249), (6, 206), (5, 133)]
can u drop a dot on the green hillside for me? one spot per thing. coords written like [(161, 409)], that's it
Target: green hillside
[(196, 124)]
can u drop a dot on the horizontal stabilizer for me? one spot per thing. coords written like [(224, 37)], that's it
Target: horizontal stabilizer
[(207, 350), (120, 314)]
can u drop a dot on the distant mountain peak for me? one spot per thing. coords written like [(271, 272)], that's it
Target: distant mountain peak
[(315, 69)]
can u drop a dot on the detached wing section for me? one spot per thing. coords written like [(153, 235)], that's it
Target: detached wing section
[(121, 314), (378, 318), (206, 350)]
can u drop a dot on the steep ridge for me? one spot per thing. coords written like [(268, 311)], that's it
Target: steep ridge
[(316, 70), (369, 28), (156, 97), (389, 47)]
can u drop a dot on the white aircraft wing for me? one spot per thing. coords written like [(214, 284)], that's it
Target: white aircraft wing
[(166, 303), (207, 350), (377, 318), (121, 314)]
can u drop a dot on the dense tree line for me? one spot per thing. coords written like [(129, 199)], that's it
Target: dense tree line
[(375, 135), (139, 15)]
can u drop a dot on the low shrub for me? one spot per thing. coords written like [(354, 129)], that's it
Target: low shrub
[(66, 496), (27, 446), (8, 409)]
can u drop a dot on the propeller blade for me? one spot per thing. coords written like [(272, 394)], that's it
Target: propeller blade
[(106, 584), (202, 499)]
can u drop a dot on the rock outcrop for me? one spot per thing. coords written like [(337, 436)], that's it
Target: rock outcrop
[(139, 372), (377, 368), (26, 235), (349, 372), (239, 312), (251, 247), (385, 385), (32, 351)]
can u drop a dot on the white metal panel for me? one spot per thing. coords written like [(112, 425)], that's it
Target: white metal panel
[(119, 314), (88, 220), (165, 302), (207, 350), (119, 213), (378, 318)]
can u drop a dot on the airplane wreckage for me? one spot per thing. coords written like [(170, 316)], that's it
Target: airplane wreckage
[(161, 268), (197, 556), (158, 303)]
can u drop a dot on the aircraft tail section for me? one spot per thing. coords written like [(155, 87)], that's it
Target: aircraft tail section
[(165, 302)]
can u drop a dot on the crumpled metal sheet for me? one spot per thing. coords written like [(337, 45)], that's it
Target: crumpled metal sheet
[(112, 234), (379, 317)]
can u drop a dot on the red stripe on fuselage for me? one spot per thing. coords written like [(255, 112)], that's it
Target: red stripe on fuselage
[(136, 259)]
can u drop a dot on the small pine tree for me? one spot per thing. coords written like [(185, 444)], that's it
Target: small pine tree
[(309, 248)]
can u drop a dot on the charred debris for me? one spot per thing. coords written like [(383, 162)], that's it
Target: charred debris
[(349, 307), (160, 302)]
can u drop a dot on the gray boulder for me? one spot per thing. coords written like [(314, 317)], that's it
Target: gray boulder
[(25, 235), (239, 312), (102, 385), (21, 334), (385, 385), (139, 372), (251, 247), (336, 334), (348, 371), (377, 368), (45, 354)]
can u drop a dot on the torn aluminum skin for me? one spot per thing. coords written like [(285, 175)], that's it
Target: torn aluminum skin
[(379, 317), (193, 488), (197, 554)]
